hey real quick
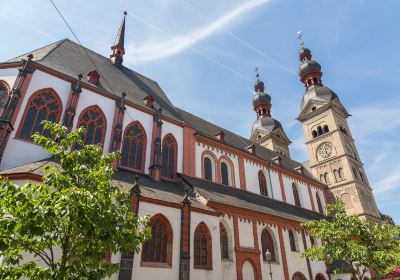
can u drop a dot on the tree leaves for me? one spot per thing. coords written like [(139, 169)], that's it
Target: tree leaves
[(69, 220), (360, 244)]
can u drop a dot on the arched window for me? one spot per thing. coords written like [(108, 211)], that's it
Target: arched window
[(223, 238), (326, 129), (340, 174), (158, 249), (314, 134), (322, 178), (225, 173), (292, 241), (262, 182), (169, 157), (208, 169), (319, 276), (299, 276), (134, 147), (326, 178), (319, 129), (202, 247), (42, 105), (355, 173), (336, 175), (296, 196), (267, 243), (94, 121), (4, 92), (319, 203)]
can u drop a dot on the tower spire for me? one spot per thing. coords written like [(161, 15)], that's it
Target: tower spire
[(118, 49), (261, 100), (309, 70)]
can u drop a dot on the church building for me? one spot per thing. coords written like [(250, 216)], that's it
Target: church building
[(217, 201)]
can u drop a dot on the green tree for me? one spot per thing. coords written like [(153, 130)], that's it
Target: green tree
[(69, 220), (359, 244)]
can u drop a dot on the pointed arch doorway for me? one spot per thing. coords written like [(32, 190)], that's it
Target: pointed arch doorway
[(248, 271)]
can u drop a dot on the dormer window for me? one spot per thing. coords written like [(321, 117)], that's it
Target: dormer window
[(149, 101), (93, 77), (220, 135)]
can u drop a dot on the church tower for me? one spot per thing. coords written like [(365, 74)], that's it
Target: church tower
[(333, 156), (267, 131)]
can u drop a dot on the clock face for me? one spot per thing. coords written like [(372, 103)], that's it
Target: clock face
[(325, 150)]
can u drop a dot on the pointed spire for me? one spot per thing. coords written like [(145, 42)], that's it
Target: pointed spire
[(118, 49), (119, 40)]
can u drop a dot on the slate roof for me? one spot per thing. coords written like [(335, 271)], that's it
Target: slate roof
[(247, 200), (69, 58), (173, 192), (209, 130)]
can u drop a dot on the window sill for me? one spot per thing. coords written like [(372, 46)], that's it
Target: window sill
[(203, 267), (155, 264), (131, 169), (226, 260)]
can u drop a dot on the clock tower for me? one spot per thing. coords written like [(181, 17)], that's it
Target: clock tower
[(333, 156)]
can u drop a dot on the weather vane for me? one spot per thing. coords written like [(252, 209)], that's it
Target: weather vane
[(257, 74), (300, 37)]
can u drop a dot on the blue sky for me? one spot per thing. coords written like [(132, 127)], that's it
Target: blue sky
[(203, 54)]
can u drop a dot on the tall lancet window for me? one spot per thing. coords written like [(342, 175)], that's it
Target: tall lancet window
[(296, 196), (169, 157), (319, 203), (134, 147), (262, 182), (42, 105)]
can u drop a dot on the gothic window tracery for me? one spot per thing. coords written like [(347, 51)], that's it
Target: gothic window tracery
[(169, 157), (43, 105), (94, 121), (158, 249), (202, 247), (134, 147)]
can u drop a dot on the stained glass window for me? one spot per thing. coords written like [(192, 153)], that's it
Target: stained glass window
[(134, 147), (43, 105), (158, 248), (169, 151), (202, 247), (93, 119)]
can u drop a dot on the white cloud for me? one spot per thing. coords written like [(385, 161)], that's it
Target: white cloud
[(389, 183), (155, 50)]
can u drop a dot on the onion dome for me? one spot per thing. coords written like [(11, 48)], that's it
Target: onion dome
[(262, 107), (309, 67)]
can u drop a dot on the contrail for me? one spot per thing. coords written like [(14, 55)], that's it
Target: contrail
[(157, 50)]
